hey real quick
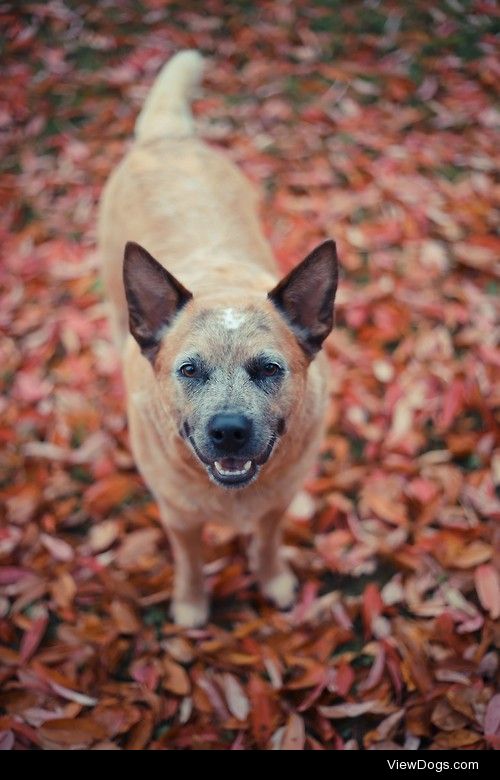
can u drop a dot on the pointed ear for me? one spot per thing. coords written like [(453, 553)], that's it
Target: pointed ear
[(306, 296), (153, 295)]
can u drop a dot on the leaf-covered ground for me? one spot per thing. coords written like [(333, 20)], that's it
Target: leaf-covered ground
[(374, 123)]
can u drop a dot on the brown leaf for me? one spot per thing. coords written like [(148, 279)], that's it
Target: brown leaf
[(447, 719), (457, 739), (137, 547), (67, 732), (262, 710), (176, 679), (124, 617), (116, 718), (141, 733), (386, 728)]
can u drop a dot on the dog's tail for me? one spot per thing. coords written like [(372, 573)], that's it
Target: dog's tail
[(167, 111)]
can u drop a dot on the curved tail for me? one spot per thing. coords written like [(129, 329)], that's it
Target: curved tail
[(167, 110)]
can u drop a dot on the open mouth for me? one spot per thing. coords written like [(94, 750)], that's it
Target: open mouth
[(235, 472)]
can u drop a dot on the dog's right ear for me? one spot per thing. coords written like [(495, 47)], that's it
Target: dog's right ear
[(154, 297), (306, 296)]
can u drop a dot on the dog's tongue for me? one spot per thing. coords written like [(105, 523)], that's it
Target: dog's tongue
[(230, 467), (231, 464)]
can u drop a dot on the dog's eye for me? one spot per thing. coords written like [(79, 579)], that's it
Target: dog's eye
[(270, 369), (188, 370)]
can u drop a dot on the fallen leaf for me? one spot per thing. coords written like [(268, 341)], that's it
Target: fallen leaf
[(108, 493), (261, 711), (67, 732), (33, 636), (492, 717), (124, 617), (348, 710), (58, 548), (103, 535), (236, 698), (488, 589), (294, 734), (176, 679)]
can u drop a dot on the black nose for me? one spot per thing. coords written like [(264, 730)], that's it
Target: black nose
[(229, 432)]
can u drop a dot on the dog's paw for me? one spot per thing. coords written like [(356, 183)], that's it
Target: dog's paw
[(189, 614), (302, 507), (281, 590)]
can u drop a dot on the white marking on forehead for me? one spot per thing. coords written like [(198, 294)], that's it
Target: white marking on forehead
[(232, 319)]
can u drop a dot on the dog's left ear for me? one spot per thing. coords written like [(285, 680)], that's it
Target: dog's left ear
[(154, 297), (306, 296)]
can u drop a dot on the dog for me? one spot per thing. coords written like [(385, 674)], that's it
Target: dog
[(225, 381)]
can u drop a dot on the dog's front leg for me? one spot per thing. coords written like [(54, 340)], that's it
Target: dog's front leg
[(276, 580), (190, 601)]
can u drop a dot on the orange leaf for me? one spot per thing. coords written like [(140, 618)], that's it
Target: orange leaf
[(108, 493), (476, 552), (176, 679), (457, 739)]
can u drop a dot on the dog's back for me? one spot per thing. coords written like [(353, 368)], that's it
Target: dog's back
[(188, 204)]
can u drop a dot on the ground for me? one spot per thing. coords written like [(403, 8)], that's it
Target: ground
[(375, 124)]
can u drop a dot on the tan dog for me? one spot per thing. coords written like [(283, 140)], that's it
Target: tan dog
[(225, 385)]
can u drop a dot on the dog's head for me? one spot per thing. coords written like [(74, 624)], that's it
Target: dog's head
[(231, 370)]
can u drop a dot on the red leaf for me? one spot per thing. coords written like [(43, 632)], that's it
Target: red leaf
[(492, 717), (344, 679), (372, 607), (33, 636), (7, 740)]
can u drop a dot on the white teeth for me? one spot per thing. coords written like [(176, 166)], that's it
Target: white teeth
[(233, 472)]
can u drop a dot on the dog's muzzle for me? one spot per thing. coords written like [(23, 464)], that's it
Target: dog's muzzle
[(233, 472)]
